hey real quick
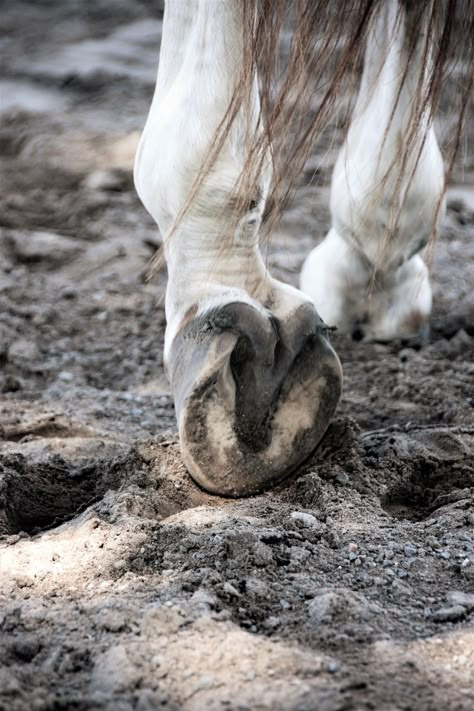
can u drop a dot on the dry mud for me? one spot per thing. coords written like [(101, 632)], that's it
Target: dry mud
[(122, 585)]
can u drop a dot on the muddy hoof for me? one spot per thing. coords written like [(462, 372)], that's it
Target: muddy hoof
[(253, 395)]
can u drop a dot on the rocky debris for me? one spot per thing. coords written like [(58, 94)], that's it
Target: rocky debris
[(47, 247), (112, 620), (24, 353), (112, 180), (467, 569), (410, 550), (449, 614), (331, 604), (114, 671), (304, 519), (463, 599), (9, 684)]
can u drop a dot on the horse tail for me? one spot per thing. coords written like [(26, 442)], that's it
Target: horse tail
[(308, 56)]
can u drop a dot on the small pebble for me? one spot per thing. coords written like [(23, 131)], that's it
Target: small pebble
[(342, 478), (271, 622), (449, 614), (69, 292), (205, 682), (66, 376), (410, 550), (11, 540), (107, 180), (231, 590), (333, 538), (461, 598), (396, 547), (303, 519)]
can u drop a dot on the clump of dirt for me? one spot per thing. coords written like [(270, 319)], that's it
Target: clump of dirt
[(125, 587)]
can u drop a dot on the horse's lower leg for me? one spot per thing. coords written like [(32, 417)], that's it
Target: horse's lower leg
[(254, 377), (367, 276)]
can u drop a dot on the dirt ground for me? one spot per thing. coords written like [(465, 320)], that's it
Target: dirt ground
[(122, 585)]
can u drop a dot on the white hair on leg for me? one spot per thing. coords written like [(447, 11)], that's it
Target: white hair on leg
[(386, 195)]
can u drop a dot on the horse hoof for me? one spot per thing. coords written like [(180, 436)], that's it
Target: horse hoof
[(253, 394)]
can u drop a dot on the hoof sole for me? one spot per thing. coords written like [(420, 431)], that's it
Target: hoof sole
[(253, 395)]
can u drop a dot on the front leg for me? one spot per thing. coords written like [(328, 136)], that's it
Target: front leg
[(254, 377)]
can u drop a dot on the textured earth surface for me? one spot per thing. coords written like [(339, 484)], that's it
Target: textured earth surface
[(122, 585)]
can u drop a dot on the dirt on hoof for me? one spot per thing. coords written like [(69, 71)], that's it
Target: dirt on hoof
[(123, 586)]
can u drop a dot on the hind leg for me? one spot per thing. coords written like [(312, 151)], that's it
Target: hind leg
[(367, 277)]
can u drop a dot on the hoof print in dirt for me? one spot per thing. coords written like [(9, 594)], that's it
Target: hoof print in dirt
[(433, 468), (36, 495), (427, 490)]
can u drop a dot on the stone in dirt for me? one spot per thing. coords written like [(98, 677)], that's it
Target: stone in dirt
[(449, 614), (47, 247), (114, 671)]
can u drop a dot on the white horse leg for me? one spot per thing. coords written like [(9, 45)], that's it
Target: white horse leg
[(367, 276), (254, 377)]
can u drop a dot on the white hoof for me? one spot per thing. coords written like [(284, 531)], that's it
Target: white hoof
[(372, 306)]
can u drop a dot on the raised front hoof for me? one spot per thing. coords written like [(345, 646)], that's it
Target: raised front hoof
[(253, 395)]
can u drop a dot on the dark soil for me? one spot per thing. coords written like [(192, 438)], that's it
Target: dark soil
[(122, 585)]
